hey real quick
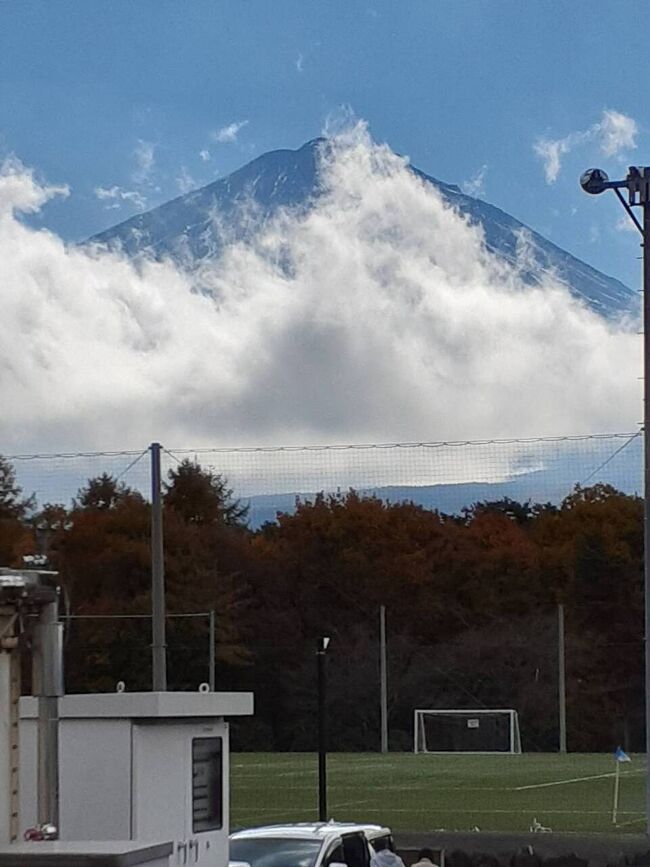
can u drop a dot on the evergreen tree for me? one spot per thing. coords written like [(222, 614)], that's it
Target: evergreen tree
[(12, 504), (103, 492), (202, 497), (15, 537)]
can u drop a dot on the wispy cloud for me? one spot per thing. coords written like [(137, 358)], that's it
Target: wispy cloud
[(205, 155), (185, 181), (475, 186), (144, 162), (144, 155), (551, 151), (339, 121), (228, 134), (115, 196), (299, 61), (625, 224), (615, 133)]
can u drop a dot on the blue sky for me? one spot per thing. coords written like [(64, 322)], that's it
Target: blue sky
[(131, 102)]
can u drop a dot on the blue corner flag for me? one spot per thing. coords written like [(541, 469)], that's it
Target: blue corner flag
[(621, 756)]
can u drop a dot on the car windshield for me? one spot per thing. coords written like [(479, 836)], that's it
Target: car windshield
[(275, 852)]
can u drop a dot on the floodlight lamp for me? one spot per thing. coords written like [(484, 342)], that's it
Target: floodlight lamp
[(594, 181), (322, 644)]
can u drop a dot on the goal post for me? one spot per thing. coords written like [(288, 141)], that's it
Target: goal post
[(478, 731)]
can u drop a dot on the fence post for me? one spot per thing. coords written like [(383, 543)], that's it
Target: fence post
[(158, 646)]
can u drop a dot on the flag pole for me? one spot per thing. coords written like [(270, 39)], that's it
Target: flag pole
[(617, 779)]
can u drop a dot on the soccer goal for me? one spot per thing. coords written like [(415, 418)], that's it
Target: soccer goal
[(466, 731)]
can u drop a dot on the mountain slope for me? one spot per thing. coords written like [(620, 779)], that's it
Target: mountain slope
[(196, 226)]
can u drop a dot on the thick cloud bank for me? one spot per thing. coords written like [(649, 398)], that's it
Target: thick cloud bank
[(376, 316)]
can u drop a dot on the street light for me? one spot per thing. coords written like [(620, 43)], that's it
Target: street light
[(321, 649), (637, 184)]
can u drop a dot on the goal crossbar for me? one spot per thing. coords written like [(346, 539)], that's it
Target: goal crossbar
[(464, 731)]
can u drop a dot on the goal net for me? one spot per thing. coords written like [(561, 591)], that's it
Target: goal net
[(466, 731)]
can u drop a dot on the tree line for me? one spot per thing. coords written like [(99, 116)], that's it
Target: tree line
[(471, 602)]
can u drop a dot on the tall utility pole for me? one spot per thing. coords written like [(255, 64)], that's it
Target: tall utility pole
[(383, 679), (212, 676), (637, 185), (561, 678), (646, 468), (158, 645)]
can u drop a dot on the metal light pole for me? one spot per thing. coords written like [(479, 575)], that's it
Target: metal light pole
[(637, 184), (158, 645), (321, 648)]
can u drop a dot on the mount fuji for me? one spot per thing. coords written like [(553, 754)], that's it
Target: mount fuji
[(196, 227)]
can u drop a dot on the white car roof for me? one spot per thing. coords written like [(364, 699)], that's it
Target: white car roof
[(311, 830)]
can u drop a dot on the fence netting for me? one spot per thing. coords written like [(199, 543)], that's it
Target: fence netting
[(470, 548), (454, 644), (447, 476)]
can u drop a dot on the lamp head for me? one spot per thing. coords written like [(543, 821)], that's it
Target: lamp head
[(594, 181)]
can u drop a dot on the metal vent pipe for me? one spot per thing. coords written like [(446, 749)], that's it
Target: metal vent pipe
[(47, 686)]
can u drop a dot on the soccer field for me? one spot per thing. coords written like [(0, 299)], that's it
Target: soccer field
[(424, 792)]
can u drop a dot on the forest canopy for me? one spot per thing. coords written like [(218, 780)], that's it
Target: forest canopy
[(471, 602)]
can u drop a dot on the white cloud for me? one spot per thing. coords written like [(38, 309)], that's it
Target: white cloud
[(339, 122), (614, 134), (205, 155), (19, 190), (617, 132), (144, 155), (378, 315), (141, 176), (625, 224), (115, 196), (475, 186), (185, 181), (229, 133), (551, 151), (594, 234), (299, 62)]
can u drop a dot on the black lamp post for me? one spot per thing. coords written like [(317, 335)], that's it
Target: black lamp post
[(321, 648), (637, 184)]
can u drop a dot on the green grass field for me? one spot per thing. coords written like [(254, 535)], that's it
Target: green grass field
[(413, 793)]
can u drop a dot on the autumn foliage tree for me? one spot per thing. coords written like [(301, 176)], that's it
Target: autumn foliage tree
[(104, 556), (471, 602)]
